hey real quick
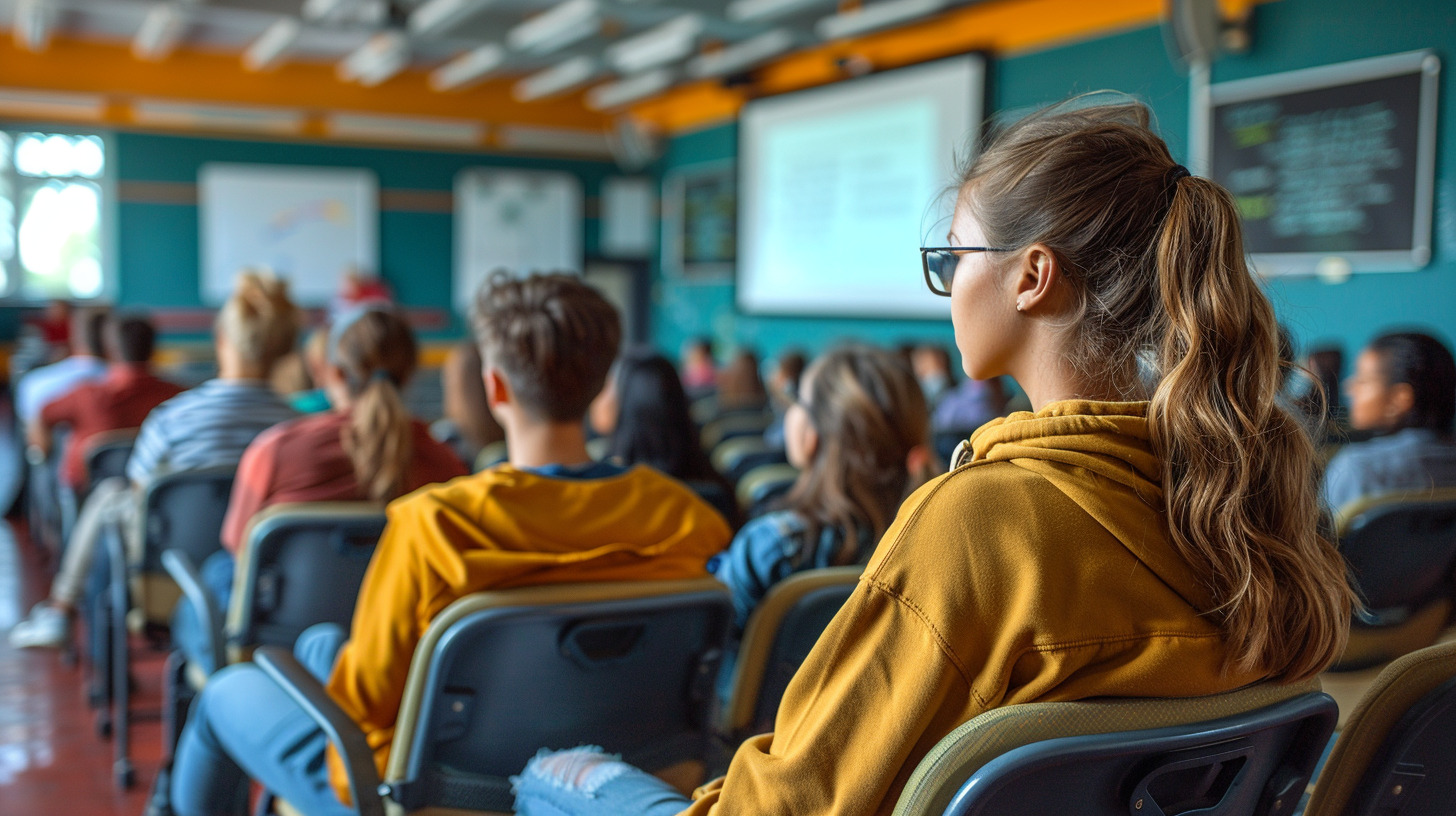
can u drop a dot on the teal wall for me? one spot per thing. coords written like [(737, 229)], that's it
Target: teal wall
[(1287, 35), (157, 244)]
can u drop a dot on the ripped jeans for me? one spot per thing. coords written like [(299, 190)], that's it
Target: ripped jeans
[(586, 782)]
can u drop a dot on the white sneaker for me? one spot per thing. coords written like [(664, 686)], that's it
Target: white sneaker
[(47, 627)]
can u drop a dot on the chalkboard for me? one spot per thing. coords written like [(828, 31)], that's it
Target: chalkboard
[(1331, 164)]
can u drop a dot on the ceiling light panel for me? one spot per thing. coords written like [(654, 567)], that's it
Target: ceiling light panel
[(438, 16), (558, 79), (160, 32), (379, 59), (742, 56), (760, 10), (875, 17), (34, 22), (272, 45), (626, 91), (468, 68), (669, 42), (562, 25)]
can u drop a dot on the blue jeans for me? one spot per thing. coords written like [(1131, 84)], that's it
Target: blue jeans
[(585, 782), (188, 636), (244, 725)]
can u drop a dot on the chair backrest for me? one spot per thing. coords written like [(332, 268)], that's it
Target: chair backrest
[(1401, 547), (1244, 752), (715, 494), (301, 564), (182, 511), (1394, 754), (491, 455), (107, 454), (764, 482), (731, 426), (726, 455), (751, 461), (626, 665), (781, 631)]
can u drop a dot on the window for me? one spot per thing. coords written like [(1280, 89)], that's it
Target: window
[(51, 210)]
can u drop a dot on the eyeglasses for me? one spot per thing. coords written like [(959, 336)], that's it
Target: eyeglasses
[(940, 264)]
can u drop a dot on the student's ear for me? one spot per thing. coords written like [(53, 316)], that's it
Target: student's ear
[(1037, 280), (497, 390), (1400, 401), (811, 441)]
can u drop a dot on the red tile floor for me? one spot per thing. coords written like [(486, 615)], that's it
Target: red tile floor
[(51, 759)]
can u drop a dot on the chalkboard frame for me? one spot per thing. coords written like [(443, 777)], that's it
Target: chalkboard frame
[(1423, 62)]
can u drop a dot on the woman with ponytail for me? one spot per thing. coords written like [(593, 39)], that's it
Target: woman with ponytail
[(1150, 529)]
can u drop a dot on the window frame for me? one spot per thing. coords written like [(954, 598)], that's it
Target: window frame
[(12, 293)]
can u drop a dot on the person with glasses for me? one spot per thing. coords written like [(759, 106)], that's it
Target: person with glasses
[(1148, 530)]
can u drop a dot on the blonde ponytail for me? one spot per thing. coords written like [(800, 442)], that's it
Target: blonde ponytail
[(1239, 483), (259, 320), (1170, 312), (376, 352)]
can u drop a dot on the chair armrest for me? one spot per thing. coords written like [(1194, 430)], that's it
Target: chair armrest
[(279, 664), (180, 566)]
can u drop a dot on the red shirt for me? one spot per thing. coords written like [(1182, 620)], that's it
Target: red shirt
[(120, 400), (303, 460)]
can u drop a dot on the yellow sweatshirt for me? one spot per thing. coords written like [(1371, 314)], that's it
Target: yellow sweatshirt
[(1039, 571), (499, 529)]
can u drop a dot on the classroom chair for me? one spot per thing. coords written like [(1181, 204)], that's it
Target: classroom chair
[(106, 456), (498, 675), (761, 487), (720, 497), (732, 426), (1401, 550), (1395, 754), (491, 455), (1240, 753), (781, 631)]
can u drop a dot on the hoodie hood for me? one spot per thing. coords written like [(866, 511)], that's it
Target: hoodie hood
[(1067, 441)]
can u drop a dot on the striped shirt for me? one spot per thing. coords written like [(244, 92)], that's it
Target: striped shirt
[(208, 426)]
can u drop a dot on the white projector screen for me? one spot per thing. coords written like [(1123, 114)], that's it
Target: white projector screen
[(837, 185)]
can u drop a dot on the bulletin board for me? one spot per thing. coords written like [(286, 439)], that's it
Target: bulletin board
[(521, 221)]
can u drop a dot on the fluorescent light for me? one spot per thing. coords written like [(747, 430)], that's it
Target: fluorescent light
[(34, 20), (554, 140), (267, 51), (438, 16), (619, 93), (557, 79), (362, 11), (217, 117), (874, 17), (384, 55), (558, 27), (51, 105), (742, 56), (405, 130), (659, 45), (161, 30), (470, 67), (743, 10)]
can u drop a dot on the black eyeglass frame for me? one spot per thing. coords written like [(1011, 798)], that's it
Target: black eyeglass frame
[(930, 277)]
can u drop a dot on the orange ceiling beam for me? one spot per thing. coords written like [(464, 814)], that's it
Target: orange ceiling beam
[(80, 66)]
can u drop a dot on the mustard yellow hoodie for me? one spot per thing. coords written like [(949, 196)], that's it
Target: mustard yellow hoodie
[(499, 529), (1038, 570)]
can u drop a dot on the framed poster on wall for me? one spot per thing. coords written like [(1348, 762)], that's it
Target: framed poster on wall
[(700, 221), (310, 225)]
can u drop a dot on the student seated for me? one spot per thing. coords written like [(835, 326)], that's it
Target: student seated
[(1404, 391), (86, 363), (368, 448), (644, 411), (470, 427), (208, 426), (856, 432), (1150, 530), (119, 401), (551, 515), (783, 389)]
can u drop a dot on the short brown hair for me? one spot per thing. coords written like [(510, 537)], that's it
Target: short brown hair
[(552, 336)]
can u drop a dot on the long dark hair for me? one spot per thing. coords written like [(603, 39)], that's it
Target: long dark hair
[(654, 426), (1422, 362), (869, 413)]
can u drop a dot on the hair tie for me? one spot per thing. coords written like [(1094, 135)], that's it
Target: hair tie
[(1171, 177)]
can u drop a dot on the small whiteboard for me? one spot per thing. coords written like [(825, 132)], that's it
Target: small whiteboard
[(517, 220), (310, 225)]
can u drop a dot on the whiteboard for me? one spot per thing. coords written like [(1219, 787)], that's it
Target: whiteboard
[(309, 225), (521, 221)]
